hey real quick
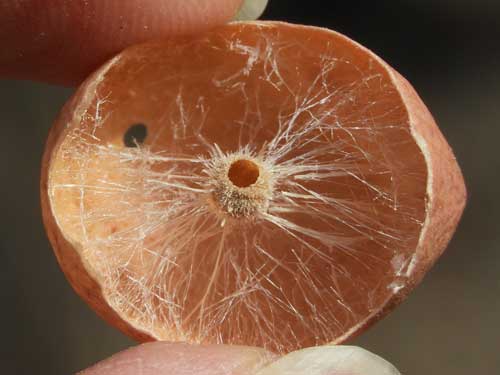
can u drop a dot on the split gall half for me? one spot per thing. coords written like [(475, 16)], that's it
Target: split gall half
[(264, 184)]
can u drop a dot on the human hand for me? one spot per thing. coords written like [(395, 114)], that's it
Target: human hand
[(61, 42), (182, 359)]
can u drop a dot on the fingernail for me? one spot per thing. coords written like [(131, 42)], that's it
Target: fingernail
[(251, 10), (330, 360)]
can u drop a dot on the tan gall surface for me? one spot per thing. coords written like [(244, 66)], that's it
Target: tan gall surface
[(357, 192)]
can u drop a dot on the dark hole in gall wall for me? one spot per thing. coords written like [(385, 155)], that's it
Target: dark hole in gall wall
[(135, 135)]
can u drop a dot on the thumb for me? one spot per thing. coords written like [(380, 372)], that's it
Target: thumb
[(183, 359)]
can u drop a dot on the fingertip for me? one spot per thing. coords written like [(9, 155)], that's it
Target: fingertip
[(60, 42), (183, 359)]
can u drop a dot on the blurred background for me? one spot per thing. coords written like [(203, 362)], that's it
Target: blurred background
[(448, 49)]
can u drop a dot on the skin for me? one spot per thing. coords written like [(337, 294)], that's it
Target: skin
[(182, 359), (61, 42)]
